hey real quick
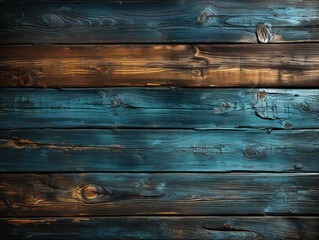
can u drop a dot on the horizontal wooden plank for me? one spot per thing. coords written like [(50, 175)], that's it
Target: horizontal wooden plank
[(113, 194), (243, 65), (158, 21), (159, 108), (161, 228), (159, 150)]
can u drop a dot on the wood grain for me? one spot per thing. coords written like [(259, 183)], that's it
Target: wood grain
[(243, 65), (203, 228), (158, 21), (114, 194), (159, 108), (159, 150)]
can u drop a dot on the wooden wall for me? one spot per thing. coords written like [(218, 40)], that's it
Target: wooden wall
[(152, 119)]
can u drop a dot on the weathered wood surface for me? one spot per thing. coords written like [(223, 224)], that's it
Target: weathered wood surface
[(158, 21), (113, 194), (243, 65), (203, 228), (159, 108), (131, 150)]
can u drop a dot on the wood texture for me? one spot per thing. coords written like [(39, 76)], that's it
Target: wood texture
[(203, 228), (158, 21), (159, 108), (243, 65), (113, 194), (106, 155), (159, 150)]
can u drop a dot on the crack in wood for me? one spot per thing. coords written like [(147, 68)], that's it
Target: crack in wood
[(25, 143)]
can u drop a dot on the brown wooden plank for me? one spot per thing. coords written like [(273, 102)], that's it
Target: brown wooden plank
[(203, 228), (113, 194), (293, 65), (127, 21)]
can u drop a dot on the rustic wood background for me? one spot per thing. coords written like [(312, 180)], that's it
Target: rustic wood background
[(159, 119)]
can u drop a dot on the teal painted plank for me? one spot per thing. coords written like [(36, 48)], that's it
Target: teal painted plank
[(118, 194), (159, 108), (202, 228), (159, 150), (158, 21)]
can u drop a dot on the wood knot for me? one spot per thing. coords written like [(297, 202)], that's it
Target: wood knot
[(90, 192), (103, 69), (225, 107), (263, 32), (52, 20), (226, 226), (304, 106), (204, 16), (261, 94), (116, 102), (25, 80), (250, 152), (198, 72), (287, 125), (298, 166)]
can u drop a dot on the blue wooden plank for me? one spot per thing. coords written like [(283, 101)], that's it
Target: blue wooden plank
[(158, 21), (159, 108), (194, 227), (131, 150)]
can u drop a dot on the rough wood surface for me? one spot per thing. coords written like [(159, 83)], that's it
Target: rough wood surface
[(95, 159), (203, 228), (243, 65), (158, 21), (113, 194), (159, 150), (159, 108)]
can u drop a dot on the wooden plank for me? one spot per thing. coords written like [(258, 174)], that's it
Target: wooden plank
[(158, 21), (161, 228), (159, 108), (241, 65), (118, 194), (159, 150)]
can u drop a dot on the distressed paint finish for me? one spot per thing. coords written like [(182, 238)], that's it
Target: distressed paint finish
[(94, 159), (159, 108), (131, 150), (116, 194), (203, 228), (243, 65), (158, 21)]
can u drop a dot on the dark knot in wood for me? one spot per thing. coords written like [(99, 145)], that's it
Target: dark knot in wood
[(52, 20), (250, 152), (226, 226), (263, 32), (287, 125), (225, 107), (204, 16), (102, 69), (116, 102), (304, 106), (298, 166), (198, 72), (25, 80)]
